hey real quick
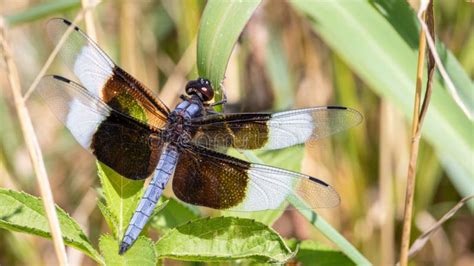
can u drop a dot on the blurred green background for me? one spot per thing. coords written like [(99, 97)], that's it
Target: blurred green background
[(288, 56)]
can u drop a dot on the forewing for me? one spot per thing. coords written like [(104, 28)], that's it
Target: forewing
[(272, 131), (102, 78), (208, 178), (119, 141)]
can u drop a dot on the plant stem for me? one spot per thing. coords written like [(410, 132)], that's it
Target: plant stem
[(415, 142), (34, 150), (88, 7)]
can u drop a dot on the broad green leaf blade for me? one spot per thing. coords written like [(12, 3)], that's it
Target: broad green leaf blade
[(175, 213), (463, 84), (121, 196), (311, 252), (385, 58), (142, 253), (24, 213), (278, 71), (222, 239), (403, 18), (221, 24)]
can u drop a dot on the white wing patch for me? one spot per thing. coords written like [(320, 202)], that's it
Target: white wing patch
[(289, 128), (82, 121), (93, 69), (268, 188)]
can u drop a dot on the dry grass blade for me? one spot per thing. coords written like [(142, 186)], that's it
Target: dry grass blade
[(87, 6), (426, 13), (33, 148), (387, 232), (421, 241), (431, 66), (428, 29)]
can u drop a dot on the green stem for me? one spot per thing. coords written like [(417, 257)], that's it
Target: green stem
[(327, 230)]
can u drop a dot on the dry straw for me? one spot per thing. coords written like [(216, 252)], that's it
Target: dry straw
[(425, 14), (33, 148)]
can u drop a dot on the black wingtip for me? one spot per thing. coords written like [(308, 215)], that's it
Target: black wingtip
[(337, 107), (67, 22), (318, 181), (123, 248), (63, 79)]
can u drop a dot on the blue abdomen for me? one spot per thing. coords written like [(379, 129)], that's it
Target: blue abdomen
[(161, 176)]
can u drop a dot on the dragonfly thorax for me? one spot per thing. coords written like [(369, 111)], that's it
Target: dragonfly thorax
[(177, 129)]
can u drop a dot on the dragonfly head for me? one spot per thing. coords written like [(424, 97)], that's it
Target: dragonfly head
[(200, 87)]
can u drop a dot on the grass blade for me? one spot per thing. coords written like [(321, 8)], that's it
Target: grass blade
[(420, 242), (221, 24), (41, 11)]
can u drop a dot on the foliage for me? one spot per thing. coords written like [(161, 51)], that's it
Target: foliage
[(383, 53), (223, 238), (25, 213)]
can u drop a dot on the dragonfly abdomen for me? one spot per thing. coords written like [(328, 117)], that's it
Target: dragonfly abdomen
[(162, 174)]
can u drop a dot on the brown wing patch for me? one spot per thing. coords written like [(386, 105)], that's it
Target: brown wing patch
[(127, 147), (126, 94), (240, 131), (206, 180), (272, 131)]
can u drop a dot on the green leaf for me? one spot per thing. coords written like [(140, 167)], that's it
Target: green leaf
[(41, 11), (312, 253), (222, 239), (24, 213), (175, 213), (142, 252), (121, 196), (111, 220), (384, 55), (403, 19), (221, 24), (463, 84), (277, 67)]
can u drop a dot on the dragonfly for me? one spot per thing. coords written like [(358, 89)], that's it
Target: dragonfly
[(119, 120)]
